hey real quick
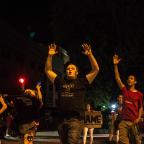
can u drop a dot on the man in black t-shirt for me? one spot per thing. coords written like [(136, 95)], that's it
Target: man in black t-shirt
[(71, 92), (71, 96)]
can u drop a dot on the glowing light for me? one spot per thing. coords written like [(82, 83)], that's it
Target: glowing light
[(113, 106), (21, 80)]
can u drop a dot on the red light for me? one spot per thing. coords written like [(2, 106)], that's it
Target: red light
[(21, 80)]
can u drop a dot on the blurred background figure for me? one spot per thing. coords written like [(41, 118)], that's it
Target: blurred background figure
[(9, 117), (89, 108), (28, 109), (118, 117), (111, 128), (9, 121)]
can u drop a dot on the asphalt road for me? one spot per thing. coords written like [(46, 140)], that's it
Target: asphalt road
[(52, 138), (96, 141)]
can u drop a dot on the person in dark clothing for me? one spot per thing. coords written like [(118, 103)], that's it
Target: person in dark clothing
[(71, 92), (118, 111), (27, 113), (132, 106), (118, 117)]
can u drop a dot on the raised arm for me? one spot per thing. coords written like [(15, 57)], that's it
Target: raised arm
[(38, 87), (4, 105), (48, 66), (94, 65), (116, 61)]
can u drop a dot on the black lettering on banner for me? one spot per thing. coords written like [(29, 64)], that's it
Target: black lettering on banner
[(93, 119)]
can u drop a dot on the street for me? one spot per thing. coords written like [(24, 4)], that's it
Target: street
[(52, 138)]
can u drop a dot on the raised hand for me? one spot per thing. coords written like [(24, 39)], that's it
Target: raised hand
[(38, 86), (52, 49), (29, 91), (116, 59), (87, 49)]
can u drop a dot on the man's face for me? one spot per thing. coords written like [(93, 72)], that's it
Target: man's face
[(71, 71), (120, 99), (88, 107), (131, 80)]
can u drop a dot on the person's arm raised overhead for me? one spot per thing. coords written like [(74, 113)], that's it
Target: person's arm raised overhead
[(38, 88), (94, 65), (48, 66), (116, 61)]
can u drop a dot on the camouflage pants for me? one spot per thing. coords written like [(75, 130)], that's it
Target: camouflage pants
[(70, 131), (128, 133)]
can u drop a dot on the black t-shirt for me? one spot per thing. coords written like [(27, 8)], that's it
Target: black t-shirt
[(118, 112), (27, 108), (71, 95)]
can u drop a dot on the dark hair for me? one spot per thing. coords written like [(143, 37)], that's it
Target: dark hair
[(69, 63), (120, 95), (133, 76), (91, 103)]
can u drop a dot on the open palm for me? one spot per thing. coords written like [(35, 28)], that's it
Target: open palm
[(52, 49), (87, 48), (116, 59)]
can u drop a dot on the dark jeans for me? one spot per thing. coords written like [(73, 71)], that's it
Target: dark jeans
[(70, 131)]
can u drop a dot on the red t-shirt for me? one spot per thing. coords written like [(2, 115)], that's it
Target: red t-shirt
[(132, 101)]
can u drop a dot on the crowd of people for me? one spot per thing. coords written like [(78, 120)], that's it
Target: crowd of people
[(71, 90), (23, 115)]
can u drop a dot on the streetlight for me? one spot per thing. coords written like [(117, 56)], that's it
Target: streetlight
[(22, 82), (113, 107)]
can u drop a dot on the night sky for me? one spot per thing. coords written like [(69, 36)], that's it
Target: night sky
[(109, 26)]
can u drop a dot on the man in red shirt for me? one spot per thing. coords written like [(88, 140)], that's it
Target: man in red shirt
[(132, 105)]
